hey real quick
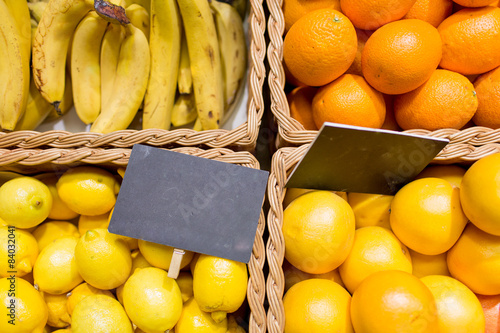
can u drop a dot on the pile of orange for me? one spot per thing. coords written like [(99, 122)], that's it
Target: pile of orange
[(427, 64), (424, 260)]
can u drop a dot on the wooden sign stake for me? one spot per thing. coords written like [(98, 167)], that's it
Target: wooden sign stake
[(175, 263)]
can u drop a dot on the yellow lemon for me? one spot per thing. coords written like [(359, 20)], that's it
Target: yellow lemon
[(193, 262), (370, 209), (146, 295), (426, 215), (193, 319), (138, 261), (185, 283), (59, 211), (233, 326), (103, 259), (294, 275), (58, 312), (219, 285), (317, 305), (55, 270), (48, 232), (88, 190), (458, 308), (18, 252), (86, 222), (451, 173), (80, 292), (293, 193), (318, 229), (480, 194), (64, 330), (424, 265), (375, 249), (119, 293), (29, 277), (100, 313), (23, 308), (160, 255), (25, 202)]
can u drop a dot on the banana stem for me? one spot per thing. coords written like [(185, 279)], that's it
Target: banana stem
[(110, 12)]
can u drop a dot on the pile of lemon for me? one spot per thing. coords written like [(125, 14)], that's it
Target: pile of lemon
[(62, 271), (423, 260)]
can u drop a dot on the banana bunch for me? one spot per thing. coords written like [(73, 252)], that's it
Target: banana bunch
[(180, 62)]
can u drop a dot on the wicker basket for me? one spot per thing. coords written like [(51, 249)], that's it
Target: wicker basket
[(241, 137), (465, 145), (32, 161)]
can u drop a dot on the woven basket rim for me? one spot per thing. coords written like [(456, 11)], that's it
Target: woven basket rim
[(465, 145), (243, 136), (36, 158)]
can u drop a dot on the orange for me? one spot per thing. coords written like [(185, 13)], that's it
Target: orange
[(290, 79), (317, 305), (293, 275), (393, 301), (300, 104), (320, 47), (458, 308), (370, 14), (491, 309), (471, 40), (475, 261), (375, 249), (424, 265), (370, 209), (295, 9), (452, 173), (401, 56), (362, 36), (349, 100), (480, 194), (446, 100), (390, 122), (432, 11), (426, 215), (487, 88), (473, 3), (318, 230)]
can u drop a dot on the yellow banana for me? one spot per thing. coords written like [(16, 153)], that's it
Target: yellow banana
[(14, 69), (184, 78), (144, 3), (66, 102), (233, 47), (184, 111), (131, 80), (139, 17), (21, 14), (197, 125), (110, 52), (85, 66), (36, 9), (36, 111), (204, 55), (165, 44)]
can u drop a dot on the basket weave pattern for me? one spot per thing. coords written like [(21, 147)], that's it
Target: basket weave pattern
[(244, 136), (465, 145), (40, 160)]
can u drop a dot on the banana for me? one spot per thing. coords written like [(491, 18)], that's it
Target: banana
[(204, 55), (130, 85), (139, 17), (165, 43), (197, 125), (184, 79), (36, 9), (14, 67), (85, 66), (21, 13), (233, 47), (36, 111), (66, 102), (110, 52), (144, 3), (184, 111)]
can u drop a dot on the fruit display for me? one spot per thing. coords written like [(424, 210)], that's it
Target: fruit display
[(63, 271), (142, 64), (426, 259)]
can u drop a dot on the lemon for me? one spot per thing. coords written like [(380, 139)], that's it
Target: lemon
[(424, 265), (18, 252), (64, 330), (86, 223), (29, 277), (370, 209), (219, 285), (160, 255), (119, 293), (25, 202), (185, 283), (103, 259), (458, 308), (293, 193), (193, 262), (193, 319), (451, 173), (48, 232), (88, 190), (138, 261), (59, 211), (146, 296), (80, 292), (233, 327), (55, 270), (58, 312), (294, 275), (23, 308), (100, 314)]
